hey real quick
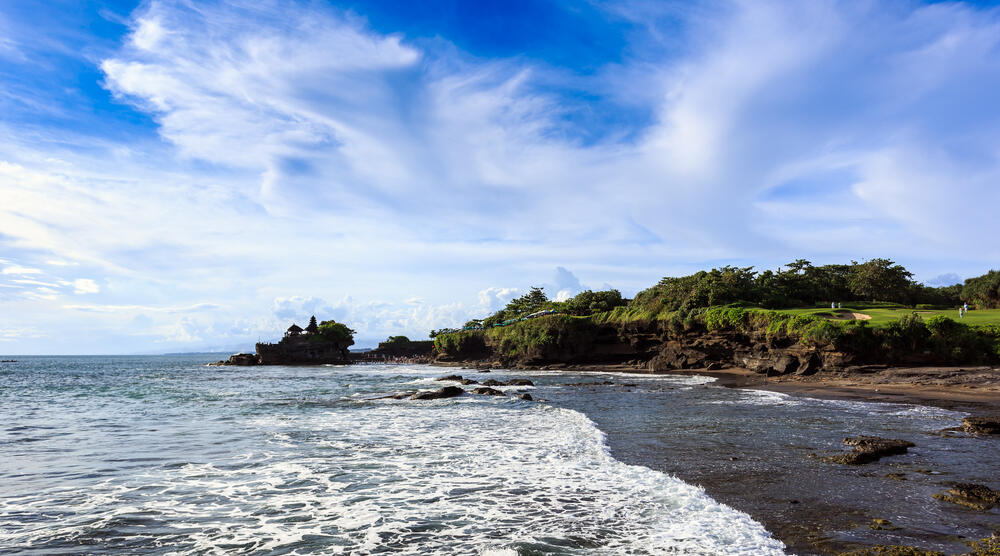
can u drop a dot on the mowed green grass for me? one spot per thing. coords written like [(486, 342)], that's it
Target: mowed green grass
[(885, 316)]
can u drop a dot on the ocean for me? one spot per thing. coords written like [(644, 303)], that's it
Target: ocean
[(164, 455)]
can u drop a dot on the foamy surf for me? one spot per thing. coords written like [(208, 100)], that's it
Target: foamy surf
[(289, 472)]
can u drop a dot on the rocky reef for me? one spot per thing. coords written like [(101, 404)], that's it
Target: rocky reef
[(870, 448), (989, 424)]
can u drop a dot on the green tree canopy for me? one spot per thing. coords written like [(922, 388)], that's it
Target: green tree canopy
[(589, 302), (334, 331), (983, 291), (395, 342), (879, 278)]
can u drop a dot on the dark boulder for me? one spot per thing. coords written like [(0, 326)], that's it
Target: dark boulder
[(870, 448), (519, 382), (446, 392), (486, 391), (605, 383), (971, 495), (526, 397), (982, 425), (467, 381), (243, 359), (456, 378)]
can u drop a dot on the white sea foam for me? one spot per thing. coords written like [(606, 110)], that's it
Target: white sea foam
[(928, 417), (469, 475)]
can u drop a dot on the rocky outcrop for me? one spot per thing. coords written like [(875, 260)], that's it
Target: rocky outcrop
[(446, 392), (774, 355), (870, 448), (654, 348), (982, 425), (239, 359), (303, 350), (487, 391), (971, 495)]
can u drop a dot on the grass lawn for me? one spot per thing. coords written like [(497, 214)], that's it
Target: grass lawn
[(884, 316)]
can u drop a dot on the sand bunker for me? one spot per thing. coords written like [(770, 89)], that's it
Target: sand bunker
[(844, 314)]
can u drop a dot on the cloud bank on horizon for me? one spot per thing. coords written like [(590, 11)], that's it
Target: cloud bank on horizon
[(180, 176)]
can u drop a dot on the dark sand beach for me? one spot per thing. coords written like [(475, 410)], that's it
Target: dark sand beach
[(768, 464)]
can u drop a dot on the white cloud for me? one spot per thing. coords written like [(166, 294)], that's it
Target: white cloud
[(306, 158), (148, 33), (19, 270), (12, 334), (141, 308), (85, 285)]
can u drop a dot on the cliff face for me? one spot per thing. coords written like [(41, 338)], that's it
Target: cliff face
[(655, 347), (770, 356)]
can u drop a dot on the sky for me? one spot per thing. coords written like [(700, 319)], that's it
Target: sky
[(184, 176)]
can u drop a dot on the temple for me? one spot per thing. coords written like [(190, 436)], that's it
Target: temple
[(299, 346)]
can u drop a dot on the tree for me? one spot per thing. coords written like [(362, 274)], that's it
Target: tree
[(395, 342), (528, 303), (829, 283), (333, 331), (879, 278), (589, 302), (312, 328), (983, 291)]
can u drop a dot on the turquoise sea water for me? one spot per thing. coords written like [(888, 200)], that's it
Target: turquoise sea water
[(164, 455)]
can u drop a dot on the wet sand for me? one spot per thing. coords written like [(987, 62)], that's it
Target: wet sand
[(824, 508), (816, 525), (971, 389)]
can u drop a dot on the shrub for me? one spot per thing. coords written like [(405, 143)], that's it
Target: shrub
[(906, 334)]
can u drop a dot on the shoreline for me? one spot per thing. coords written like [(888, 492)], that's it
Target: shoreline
[(800, 500), (983, 397), (959, 388)]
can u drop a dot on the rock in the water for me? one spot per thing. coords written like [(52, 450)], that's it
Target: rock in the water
[(468, 381), (487, 391), (982, 425), (526, 397), (446, 392), (971, 495), (243, 359), (870, 448), (519, 382), (879, 524), (456, 378)]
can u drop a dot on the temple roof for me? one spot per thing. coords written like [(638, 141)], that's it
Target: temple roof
[(294, 328)]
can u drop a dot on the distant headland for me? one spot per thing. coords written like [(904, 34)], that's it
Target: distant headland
[(326, 343), (797, 320)]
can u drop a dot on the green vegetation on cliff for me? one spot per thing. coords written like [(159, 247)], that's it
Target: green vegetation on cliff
[(909, 318)]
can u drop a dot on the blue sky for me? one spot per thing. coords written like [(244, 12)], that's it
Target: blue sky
[(181, 176)]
